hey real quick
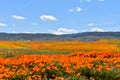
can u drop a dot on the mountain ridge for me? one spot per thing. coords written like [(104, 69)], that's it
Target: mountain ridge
[(85, 36)]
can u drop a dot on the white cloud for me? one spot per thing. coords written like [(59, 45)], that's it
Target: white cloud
[(18, 17), (90, 24), (48, 17), (13, 31), (96, 29), (3, 24), (30, 32), (64, 31), (78, 9), (101, 0)]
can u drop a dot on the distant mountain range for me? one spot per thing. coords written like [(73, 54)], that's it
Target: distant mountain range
[(85, 36)]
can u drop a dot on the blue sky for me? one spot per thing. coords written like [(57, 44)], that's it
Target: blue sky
[(59, 17)]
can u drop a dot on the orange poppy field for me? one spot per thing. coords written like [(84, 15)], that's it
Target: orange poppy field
[(29, 60)]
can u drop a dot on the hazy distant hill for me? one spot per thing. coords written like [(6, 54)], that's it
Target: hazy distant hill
[(86, 36)]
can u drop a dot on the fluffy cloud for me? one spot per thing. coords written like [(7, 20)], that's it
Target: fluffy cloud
[(93, 28), (18, 17), (48, 18), (96, 29), (90, 24), (77, 9), (64, 31), (3, 24), (29, 32)]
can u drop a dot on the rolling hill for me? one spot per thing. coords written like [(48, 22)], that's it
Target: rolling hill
[(85, 36)]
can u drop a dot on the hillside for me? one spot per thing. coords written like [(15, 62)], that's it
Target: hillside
[(86, 36)]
